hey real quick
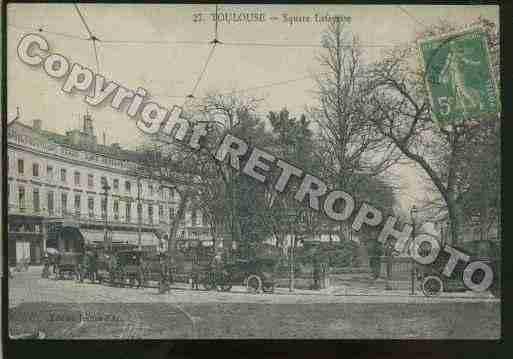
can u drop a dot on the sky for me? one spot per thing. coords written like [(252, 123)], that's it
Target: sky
[(137, 48)]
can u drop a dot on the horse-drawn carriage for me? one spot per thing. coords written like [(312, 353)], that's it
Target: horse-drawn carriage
[(65, 248), (68, 265), (127, 268)]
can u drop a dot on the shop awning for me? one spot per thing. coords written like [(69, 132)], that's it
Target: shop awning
[(147, 238)]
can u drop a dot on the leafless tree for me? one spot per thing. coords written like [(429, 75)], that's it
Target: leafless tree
[(350, 147), (401, 112)]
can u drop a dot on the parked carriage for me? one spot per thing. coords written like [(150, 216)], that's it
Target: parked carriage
[(128, 270), (68, 265), (433, 281), (103, 266), (67, 244), (158, 268), (257, 274)]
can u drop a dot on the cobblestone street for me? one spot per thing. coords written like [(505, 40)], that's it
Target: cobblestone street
[(67, 309)]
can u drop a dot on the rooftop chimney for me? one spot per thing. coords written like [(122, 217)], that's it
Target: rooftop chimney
[(37, 124), (88, 125)]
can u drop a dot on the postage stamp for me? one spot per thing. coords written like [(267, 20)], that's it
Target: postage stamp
[(459, 76)]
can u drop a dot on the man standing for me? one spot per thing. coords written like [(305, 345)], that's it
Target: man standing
[(375, 251), (93, 264), (195, 271), (316, 273)]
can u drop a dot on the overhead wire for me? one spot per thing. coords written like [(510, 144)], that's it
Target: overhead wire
[(214, 42), (41, 29), (200, 77), (210, 54), (259, 87), (92, 37), (410, 15), (215, 29), (83, 21), (96, 56), (271, 44), (153, 42)]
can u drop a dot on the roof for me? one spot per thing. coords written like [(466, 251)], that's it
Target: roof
[(66, 140)]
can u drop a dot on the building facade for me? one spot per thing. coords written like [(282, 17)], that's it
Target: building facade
[(71, 180)]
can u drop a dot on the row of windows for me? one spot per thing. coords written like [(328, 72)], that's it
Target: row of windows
[(90, 205), (90, 178)]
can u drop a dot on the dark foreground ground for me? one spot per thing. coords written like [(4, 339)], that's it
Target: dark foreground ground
[(256, 320)]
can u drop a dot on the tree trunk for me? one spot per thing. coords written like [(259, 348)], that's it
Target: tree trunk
[(171, 247), (454, 218)]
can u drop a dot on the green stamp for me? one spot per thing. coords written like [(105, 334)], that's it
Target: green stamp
[(458, 76)]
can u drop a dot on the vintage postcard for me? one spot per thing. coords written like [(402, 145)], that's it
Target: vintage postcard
[(252, 171)]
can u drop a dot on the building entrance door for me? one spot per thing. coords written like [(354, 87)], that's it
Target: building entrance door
[(35, 253), (22, 251)]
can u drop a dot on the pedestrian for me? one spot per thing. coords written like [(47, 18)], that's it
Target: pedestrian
[(46, 267), (113, 267), (376, 251), (195, 272), (316, 273), (389, 250), (93, 264), (55, 261)]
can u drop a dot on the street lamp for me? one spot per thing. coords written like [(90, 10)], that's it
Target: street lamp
[(139, 214), (170, 247), (413, 216), (106, 189), (292, 218)]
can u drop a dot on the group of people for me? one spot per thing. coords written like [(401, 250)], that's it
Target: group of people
[(87, 268), (216, 266), (47, 262)]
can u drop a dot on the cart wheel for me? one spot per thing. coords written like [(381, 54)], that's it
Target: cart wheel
[(225, 287), (254, 284), (432, 286), (208, 284)]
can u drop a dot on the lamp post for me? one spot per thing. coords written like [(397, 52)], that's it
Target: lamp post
[(413, 215), (169, 238), (291, 217), (106, 189), (139, 214)]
